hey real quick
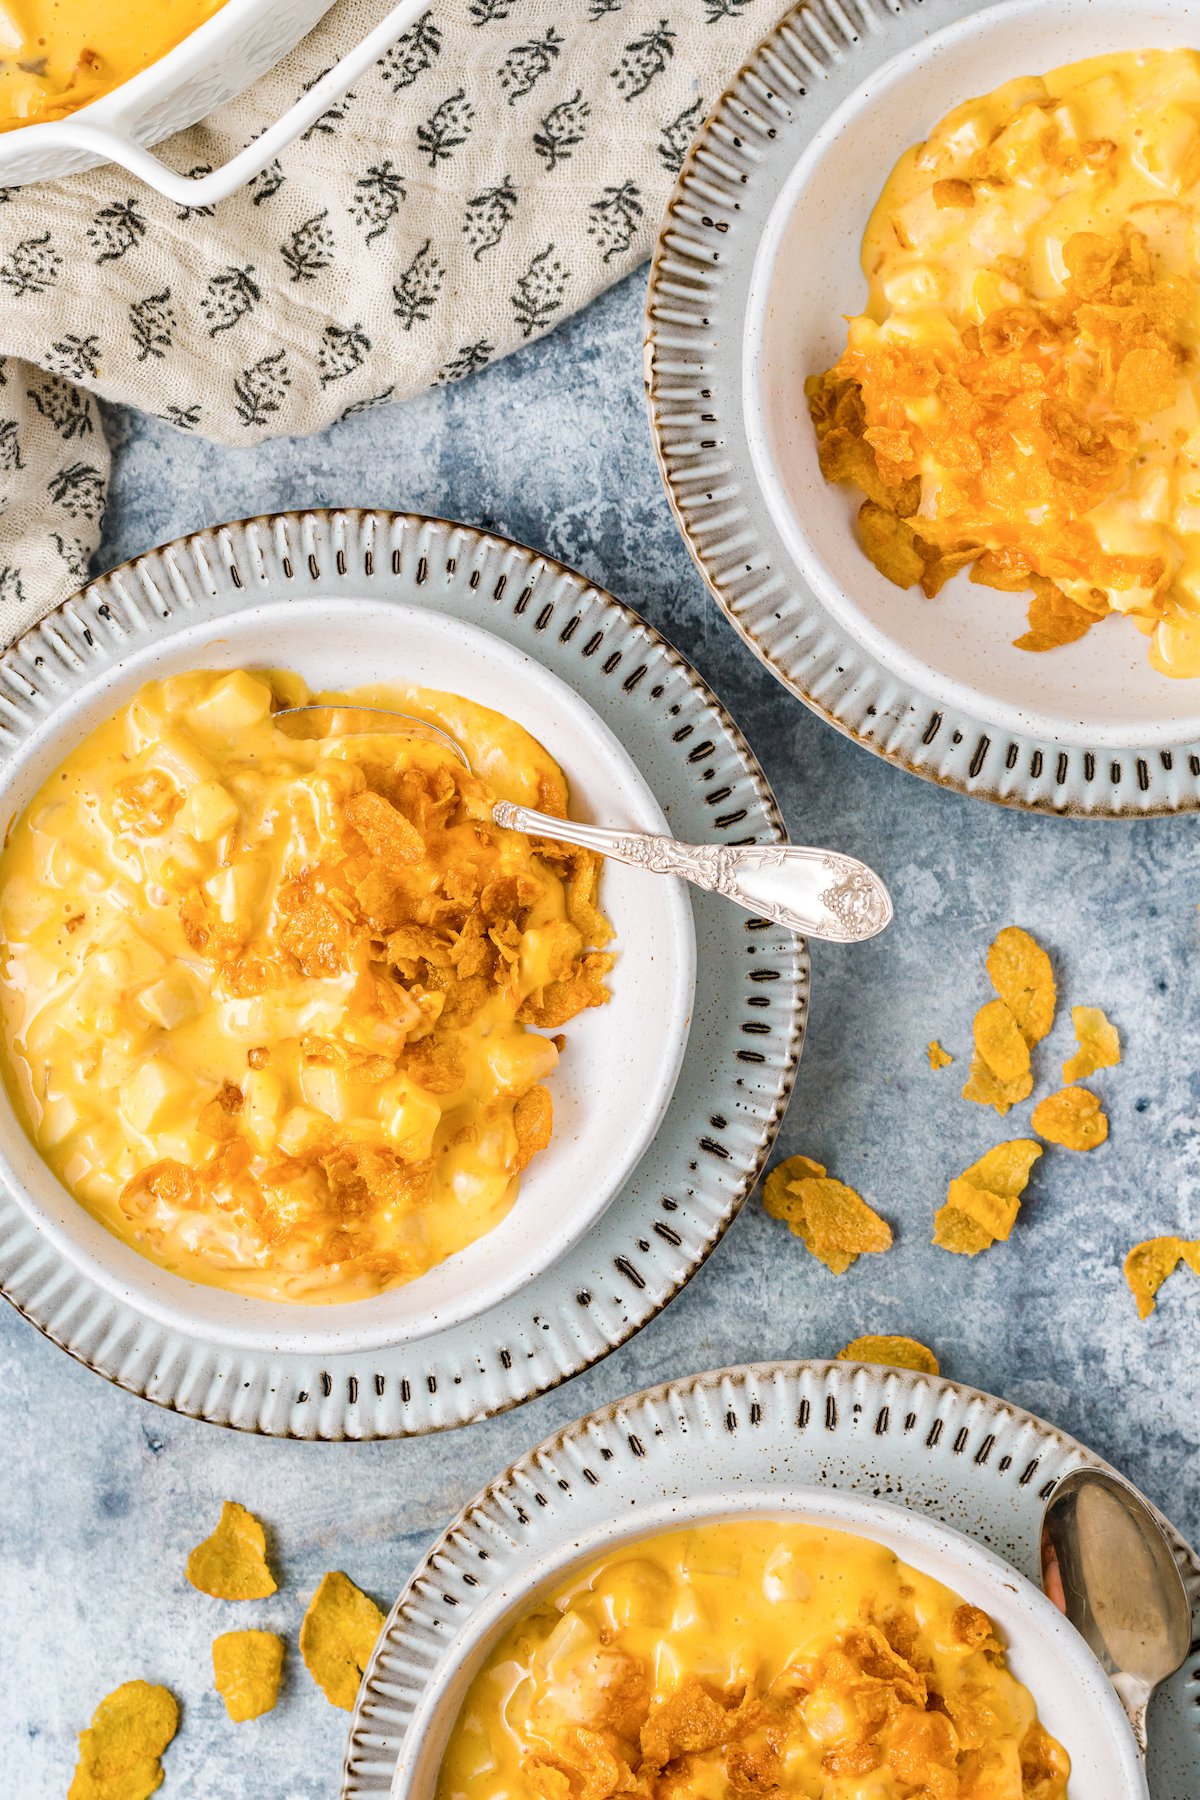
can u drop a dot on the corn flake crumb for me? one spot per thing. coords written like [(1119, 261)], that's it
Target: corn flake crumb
[(982, 1204), (1073, 1118), (1148, 1265), (891, 1352), (938, 1058), (232, 1563), (833, 1222), (247, 1666), (119, 1752), (1099, 1044), (337, 1637)]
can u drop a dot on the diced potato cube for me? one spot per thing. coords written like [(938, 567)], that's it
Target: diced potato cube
[(235, 890), (172, 1000), (157, 1095), (182, 761), (234, 705), (209, 811), (299, 1127), (410, 1117), (517, 1063), (60, 1117), (329, 1090), (260, 1110)]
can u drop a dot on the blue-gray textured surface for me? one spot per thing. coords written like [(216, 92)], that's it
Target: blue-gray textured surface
[(101, 1495)]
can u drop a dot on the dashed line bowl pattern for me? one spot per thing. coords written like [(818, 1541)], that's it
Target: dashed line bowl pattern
[(747, 1026), (705, 304), (756, 1436)]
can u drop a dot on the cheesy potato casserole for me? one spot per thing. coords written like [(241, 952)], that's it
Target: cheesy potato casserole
[(59, 55), (1021, 396), (751, 1658), (270, 1006)]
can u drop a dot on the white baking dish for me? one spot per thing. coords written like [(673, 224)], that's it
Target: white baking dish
[(220, 59)]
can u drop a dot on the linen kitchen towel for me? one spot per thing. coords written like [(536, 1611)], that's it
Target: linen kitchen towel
[(499, 166)]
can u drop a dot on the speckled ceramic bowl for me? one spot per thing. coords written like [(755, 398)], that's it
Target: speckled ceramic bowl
[(757, 260), (813, 1442), (370, 570), (1100, 690), (624, 1057)]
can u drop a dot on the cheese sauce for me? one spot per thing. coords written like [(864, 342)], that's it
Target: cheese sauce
[(267, 1004), (750, 1657), (58, 55), (978, 219)]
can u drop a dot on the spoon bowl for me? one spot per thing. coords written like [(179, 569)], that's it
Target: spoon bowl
[(1107, 1564)]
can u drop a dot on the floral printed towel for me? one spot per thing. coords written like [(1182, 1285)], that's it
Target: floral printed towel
[(498, 167)]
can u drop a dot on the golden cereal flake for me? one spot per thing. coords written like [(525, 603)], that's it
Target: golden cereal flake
[(985, 1088), (120, 1750), (1000, 1043), (938, 1057), (1099, 1044), (232, 1563), (982, 1204), (337, 1637), (834, 1223), (1019, 970), (1148, 1265), (1073, 1118), (247, 1667), (891, 1352)]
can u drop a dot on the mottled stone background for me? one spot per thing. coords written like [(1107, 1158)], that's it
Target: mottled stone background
[(101, 1494)]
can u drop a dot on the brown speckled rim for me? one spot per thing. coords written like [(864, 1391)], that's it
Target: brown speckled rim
[(975, 1462), (738, 1071), (815, 57)]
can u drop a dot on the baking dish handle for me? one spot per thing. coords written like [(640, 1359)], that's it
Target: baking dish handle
[(204, 190)]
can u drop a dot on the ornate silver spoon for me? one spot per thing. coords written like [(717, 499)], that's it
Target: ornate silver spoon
[(820, 893), (1107, 1564)]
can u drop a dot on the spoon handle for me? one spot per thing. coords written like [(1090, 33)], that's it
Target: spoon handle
[(819, 893)]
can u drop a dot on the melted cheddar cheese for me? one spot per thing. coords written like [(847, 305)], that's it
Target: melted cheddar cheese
[(59, 55), (269, 1005), (751, 1658), (1025, 374)]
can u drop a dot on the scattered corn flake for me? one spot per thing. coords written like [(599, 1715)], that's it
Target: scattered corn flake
[(1019, 970), (1000, 1042), (119, 1751), (938, 1058), (232, 1563), (891, 1352), (1099, 1044), (247, 1666), (834, 1223), (1073, 1118), (337, 1637), (983, 1202), (986, 1088), (1148, 1265)]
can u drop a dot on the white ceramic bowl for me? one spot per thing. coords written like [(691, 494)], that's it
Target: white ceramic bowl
[(611, 1090), (1099, 692), (218, 60), (1076, 1702)]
